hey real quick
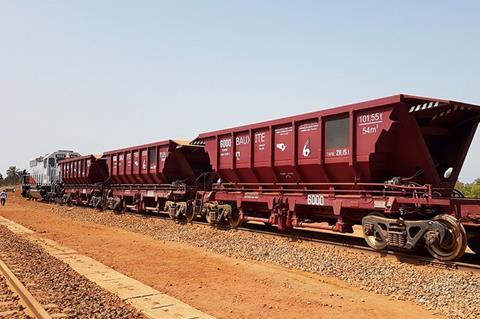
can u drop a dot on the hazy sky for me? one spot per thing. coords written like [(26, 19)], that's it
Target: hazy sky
[(97, 75)]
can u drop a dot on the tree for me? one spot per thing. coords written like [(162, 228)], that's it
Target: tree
[(13, 173), (469, 189), (14, 176)]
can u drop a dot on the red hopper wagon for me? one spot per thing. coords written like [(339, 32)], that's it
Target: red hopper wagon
[(156, 176), (388, 164), (83, 178)]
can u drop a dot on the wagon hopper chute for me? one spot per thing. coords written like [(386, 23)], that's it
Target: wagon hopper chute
[(391, 162)]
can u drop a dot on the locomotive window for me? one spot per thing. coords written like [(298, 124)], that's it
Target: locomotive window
[(337, 133), (51, 162), (152, 156)]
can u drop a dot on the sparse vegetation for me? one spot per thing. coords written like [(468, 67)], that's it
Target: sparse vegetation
[(469, 189), (13, 176)]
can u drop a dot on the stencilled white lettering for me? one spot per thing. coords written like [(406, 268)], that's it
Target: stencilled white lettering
[(370, 123), (314, 199)]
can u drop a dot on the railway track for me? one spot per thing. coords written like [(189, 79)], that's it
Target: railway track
[(15, 300), (469, 262)]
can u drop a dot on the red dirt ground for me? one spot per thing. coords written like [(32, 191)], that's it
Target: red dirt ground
[(218, 285)]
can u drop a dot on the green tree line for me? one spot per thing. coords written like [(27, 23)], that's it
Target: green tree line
[(469, 189), (13, 176)]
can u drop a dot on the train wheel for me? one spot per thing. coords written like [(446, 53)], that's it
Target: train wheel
[(190, 214), (172, 212), (373, 238), (235, 218), (121, 207), (209, 218), (455, 242), (474, 240)]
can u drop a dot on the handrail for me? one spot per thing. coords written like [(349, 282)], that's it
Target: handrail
[(422, 187)]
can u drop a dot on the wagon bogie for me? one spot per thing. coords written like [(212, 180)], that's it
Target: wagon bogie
[(81, 195), (442, 235), (114, 203), (216, 213), (177, 210)]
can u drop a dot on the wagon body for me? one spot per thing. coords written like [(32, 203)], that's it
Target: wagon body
[(370, 142), (161, 162), (84, 170)]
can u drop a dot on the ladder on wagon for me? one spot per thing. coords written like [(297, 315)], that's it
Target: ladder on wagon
[(203, 184), (198, 203)]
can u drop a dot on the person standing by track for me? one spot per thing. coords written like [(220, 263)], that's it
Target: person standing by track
[(3, 197)]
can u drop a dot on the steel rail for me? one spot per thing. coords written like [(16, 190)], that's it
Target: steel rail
[(32, 304)]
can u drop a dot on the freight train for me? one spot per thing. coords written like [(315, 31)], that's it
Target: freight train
[(389, 165)]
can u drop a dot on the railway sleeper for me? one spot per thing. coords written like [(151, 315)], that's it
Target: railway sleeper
[(443, 236)]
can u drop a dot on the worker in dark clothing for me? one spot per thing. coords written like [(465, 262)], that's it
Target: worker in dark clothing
[(3, 197)]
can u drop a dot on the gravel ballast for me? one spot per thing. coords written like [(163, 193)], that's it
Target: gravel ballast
[(54, 284), (448, 292), (10, 305)]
